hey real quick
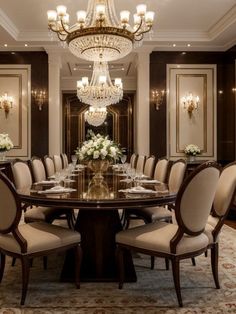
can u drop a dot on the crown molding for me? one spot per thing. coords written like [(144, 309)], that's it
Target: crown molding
[(8, 25)]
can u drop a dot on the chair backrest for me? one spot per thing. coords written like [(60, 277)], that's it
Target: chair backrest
[(149, 166), (10, 209), (49, 166), (57, 163), (140, 163), (21, 174), (39, 173), (161, 170), (177, 173), (64, 160), (133, 159), (195, 198)]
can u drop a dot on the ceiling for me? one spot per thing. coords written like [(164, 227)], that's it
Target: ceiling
[(203, 24)]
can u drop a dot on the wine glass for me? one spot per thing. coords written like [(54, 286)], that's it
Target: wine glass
[(74, 160), (123, 158)]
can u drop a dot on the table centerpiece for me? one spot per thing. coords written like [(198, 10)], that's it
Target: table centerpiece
[(192, 151)]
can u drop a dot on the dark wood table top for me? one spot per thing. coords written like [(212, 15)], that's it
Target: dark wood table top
[(105, 196)]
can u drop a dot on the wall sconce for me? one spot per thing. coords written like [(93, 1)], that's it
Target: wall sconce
[(6, 103), (190, 103), (157, 97), (39, 97)]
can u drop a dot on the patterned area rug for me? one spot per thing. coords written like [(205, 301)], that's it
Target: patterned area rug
[(152, 293)]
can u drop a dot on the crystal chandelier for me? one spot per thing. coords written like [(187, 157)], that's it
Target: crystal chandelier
[(98, 35), (95, 116), (100, 91)]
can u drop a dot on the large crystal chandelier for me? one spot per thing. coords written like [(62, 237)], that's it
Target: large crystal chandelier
[(95, 116), (100, 91), (98, 35)]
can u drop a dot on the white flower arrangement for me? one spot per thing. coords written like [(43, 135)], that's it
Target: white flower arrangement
[(192, 150), (5, 142), (98, 147)]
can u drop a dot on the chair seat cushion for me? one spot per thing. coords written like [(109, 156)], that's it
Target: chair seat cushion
[(51, 237), (157, 213), (156, 237), (48, 214)]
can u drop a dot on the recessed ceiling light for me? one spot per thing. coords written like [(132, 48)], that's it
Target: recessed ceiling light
[(26, 45), (5, 45), (189, 45), (12, 52), (90, 66), (74, 69), (178, 66), (183, 53), (174, 45), (123, 69)]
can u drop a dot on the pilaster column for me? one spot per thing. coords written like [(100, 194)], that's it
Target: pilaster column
[(54, 110), (142, 123)]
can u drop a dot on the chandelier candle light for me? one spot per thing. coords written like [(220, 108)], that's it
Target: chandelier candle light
[(98, 35), (100, 91), (96, 116)]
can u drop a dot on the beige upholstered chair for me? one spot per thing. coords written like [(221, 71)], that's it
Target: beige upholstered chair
[(149, 167), (27, 241), (140, 163), (23, 180), (57, 163), (38, 169), (133, 160), (185, 239), (49, 166), (160, 172), (64, 160)]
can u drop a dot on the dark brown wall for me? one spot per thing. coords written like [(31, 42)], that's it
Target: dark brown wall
[(39, 80), (225, 62)]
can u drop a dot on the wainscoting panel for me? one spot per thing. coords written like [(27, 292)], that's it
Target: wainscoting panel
[(15, 81), (199, 126)]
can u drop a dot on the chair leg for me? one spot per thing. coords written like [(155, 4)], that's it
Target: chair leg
[(25, 264), (152, 262), (167, 263), (45, 262), (13, 262), (193, 261), (175, 271), (78, 260), (2, 265), (206, 253), (214, 264), (120, 264)]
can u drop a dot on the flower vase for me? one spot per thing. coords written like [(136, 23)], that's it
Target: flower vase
[(191, 158), (3, 155), (98, 167)]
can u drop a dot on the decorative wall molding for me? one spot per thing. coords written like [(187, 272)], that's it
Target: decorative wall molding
[(200, 127), (16, 81)]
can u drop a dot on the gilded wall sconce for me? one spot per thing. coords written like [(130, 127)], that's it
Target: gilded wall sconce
[(6, 103), (39, 97), (190, 103), (157, 97)]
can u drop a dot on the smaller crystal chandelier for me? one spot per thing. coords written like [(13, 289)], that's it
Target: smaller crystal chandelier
[(157, 97), (95, 116), (98, 35), (100, 91), (190, 103), (6, 103), (40, 97)]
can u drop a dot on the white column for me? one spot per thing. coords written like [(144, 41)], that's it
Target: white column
[(54, 110), (142, 123)]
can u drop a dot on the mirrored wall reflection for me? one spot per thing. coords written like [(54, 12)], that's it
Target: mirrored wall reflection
[(118, 123)]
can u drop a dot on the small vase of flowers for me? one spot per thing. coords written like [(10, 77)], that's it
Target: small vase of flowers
[(192, 151), (5, 145)]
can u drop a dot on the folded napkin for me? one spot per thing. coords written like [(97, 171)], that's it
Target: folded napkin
[(148, 181), (80, 166), (51, 177), (73, 175), (138, 190), (121, 174), (57, 189), (69, 180), (126, 180), (46, 182)]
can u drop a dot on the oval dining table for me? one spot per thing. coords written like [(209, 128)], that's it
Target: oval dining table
[(98, 219)]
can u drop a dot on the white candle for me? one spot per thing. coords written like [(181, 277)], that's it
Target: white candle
[(141, 9), (81, 16), (52, 15), (124, 17), (61, 10)]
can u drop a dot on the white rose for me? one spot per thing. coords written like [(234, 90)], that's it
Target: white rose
[(96, 154), (104, 152)]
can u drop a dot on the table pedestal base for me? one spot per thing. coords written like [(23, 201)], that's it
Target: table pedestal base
[(98, 229)]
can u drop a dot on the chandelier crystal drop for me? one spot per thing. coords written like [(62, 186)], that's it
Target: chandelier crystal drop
[(98, 35), (95, 116), (100, 91)]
